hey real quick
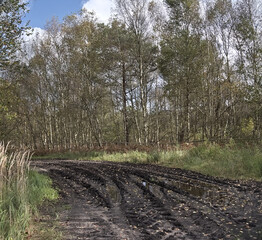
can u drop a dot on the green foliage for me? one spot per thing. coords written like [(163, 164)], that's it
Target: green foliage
[(16, 207), (8, 104), (228, 162), (11, 13), (11, 30), (247, 126), (89, 84)]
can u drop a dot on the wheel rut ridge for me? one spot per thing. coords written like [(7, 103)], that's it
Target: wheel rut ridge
[(138, 212), (195, 208), (216, 213), (165, 212), (162, 211), (142, 174), (78, 222), (103, 179), (180, 175), (90, 173), (188, 175), (83, 182)]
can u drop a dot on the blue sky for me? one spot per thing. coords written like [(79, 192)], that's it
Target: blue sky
[(43, 10)]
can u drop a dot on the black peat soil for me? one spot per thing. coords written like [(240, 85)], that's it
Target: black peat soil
[(107, 200)]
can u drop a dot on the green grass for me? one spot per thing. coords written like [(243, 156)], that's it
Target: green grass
[(40, 189), (17, 208), (236, 163), (228, 161), (21, 192)]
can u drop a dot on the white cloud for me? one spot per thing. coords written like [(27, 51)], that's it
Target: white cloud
[(28, 42), (38, 32), (102, 8)]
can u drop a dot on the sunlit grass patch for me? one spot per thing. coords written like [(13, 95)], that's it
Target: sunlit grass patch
[(228, 161), (132, 156)]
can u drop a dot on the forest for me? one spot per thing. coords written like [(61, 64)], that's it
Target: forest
[(156, 74), (147, 126)]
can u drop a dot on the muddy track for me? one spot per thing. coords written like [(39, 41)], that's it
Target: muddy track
[(129, 201)]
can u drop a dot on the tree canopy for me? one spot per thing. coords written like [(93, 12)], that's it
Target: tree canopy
[(139, 79), (11, 29)]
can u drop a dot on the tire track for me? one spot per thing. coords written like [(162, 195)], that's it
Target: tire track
[(129, 201)]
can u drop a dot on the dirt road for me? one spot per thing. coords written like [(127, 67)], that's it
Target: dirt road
[(128, 201)]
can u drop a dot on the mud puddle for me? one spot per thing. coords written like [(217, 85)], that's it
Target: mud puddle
[(113, 193)]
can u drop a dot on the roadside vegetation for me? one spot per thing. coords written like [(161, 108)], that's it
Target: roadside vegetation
[(22, 191), (230, 161)]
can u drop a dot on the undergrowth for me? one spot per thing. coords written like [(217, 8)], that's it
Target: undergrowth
[(230, 161), (21, 192)]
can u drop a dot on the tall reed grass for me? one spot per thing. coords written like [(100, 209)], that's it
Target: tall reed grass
[(14, 212), (16, 184)]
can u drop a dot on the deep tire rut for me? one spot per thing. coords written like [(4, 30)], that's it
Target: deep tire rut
[(129, 201)]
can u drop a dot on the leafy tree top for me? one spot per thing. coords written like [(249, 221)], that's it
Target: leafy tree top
[(11, 29)]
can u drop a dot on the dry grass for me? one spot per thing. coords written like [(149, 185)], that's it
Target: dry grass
[(14, 212), (21, 191), (13, 168)]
